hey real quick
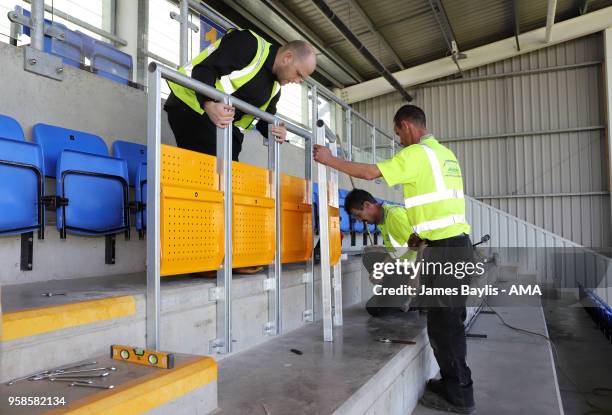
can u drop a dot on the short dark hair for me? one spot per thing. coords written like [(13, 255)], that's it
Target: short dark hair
[(356, 198), (410, 113)]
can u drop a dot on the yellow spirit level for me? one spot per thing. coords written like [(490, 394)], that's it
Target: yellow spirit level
[(142, 356)]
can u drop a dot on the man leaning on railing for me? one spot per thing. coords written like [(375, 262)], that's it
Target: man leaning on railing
[(248, 67)]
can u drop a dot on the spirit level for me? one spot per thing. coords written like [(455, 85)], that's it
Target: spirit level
[(142, 356)]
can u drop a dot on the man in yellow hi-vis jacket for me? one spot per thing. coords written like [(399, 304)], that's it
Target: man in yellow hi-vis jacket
[(433, 197), (245, 65)]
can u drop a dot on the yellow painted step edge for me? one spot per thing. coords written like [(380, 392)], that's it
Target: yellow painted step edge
[(143, 394), (40, 320)]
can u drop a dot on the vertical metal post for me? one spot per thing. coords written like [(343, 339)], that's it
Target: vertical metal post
[(326, 288), (223, 342), (607, 35), (337, 280), (309, 312), (373, 144), (153, 299), (37, 31), (349, 135), (274, 325), (184, 34)]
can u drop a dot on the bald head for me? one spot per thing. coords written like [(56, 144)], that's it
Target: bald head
[(294, 62)]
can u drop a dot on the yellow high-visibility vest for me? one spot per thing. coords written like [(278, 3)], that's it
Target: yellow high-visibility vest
[(229, 83), (433, 188)]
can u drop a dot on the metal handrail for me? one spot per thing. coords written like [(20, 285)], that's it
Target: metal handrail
[(212, 92)]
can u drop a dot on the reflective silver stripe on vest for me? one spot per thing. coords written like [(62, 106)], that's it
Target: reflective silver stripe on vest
[(226, 80), (441, 193), (189, 67), (438, 223)]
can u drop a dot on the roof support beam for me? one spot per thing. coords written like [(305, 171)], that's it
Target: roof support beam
[(493, 52), (583, 6), (350, 36), (353, 4), (517, 23), (550, 19), (447, 31)]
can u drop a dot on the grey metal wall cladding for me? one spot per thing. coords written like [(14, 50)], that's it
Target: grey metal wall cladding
[(529, 134)]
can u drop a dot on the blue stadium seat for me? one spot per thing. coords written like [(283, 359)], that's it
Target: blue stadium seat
[(92, 187), (108, 61), (136, 157), (141, 196), (345, 220), (21, 181)]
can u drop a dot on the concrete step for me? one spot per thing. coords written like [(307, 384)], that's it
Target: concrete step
[(355, 374), (188, 388), (41, 331)]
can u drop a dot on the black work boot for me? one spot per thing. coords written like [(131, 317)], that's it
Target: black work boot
[(439, 402), (435, 386)]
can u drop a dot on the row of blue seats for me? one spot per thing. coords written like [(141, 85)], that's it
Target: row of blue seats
[(92, 188), (599, 310), (105, 59)]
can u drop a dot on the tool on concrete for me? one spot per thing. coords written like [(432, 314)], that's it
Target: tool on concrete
[(387, 340), (86, 385), (296, 351), (142, 356), (49, 372), (96, 375), (89, 382), (51, 294), (48, 375)]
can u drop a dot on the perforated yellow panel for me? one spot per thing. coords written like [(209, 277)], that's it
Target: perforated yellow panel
[(335, 238), (191, 213), (296, 220), (250, 180), (184, 168), (253, 237)]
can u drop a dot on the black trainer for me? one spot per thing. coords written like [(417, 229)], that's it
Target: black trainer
[(437, 401), (435, 386)]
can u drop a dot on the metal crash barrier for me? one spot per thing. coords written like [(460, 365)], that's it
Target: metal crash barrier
[(195, 223)]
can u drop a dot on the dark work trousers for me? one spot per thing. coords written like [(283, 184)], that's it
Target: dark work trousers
[(196, 132), (445, 321)]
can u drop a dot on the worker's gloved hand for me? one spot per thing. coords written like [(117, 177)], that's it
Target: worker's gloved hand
[(414, 241), (280, 133), (222, 115), (321, 154)]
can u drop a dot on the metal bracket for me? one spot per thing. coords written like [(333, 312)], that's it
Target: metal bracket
[(110, 249), (269, 329), (215, 293), (306, 278), (307, 315), (176, 16), (42, 63), (27, 251), (216, 346), (269, 284), (52, 31)]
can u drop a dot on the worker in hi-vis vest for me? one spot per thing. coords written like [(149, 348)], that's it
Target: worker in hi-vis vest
[(392, 221), (433, 197), (245, 65)]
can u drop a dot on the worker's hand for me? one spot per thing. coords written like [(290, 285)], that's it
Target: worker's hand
[(322, 154), (220, 114), (414, 241), (280, 132)]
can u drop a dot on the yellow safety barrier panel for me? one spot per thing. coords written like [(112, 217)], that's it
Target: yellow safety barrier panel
[(191, 212), (253, 216), (296, 220), (335, 237)]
